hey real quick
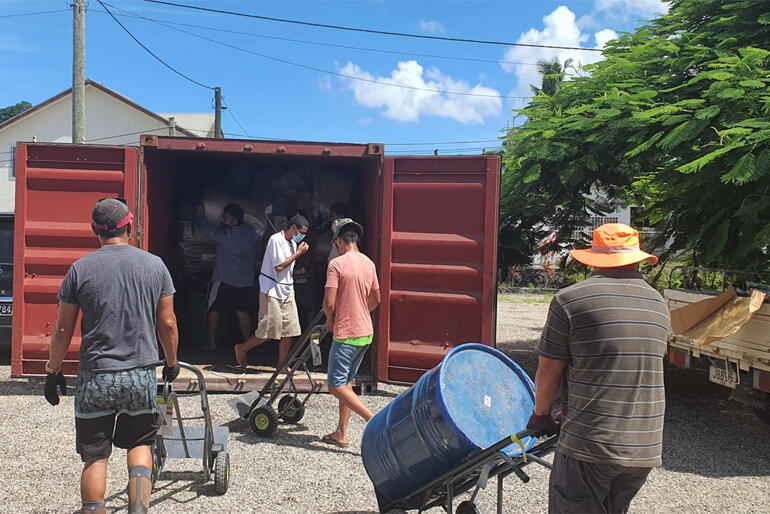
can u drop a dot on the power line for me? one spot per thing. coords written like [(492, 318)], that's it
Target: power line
[(320, 70), (309, 42), (236, 134), (113, 137), (246, 134), (126, 134), (282, 139), (445, 143), (431, 150), (305, 41), (405, 152), (32, 13), (151, 52), (368, 31), (333, 45), (232, 115)]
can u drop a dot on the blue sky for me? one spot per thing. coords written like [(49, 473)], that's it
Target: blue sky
[(276, 100)]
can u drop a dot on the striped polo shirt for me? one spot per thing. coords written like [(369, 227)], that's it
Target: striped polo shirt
[(612, 330)]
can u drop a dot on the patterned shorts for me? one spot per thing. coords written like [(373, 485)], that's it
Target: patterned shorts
[(100, 393)]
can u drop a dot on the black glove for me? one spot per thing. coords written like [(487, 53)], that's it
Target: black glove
[(170, 372), (49, 390), (542, 425)]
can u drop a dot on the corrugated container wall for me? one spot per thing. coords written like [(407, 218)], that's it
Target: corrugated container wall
[(431, 227)]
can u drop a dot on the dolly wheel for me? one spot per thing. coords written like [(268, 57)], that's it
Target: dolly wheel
[(291, 409), (222, 472), (467, 507), (263, 421)]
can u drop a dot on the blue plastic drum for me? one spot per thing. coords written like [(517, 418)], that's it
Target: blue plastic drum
[(474, 398)]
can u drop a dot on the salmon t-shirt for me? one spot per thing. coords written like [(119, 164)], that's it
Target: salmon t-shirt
[(354, 276)]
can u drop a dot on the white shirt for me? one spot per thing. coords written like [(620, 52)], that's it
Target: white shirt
[(278, 285)]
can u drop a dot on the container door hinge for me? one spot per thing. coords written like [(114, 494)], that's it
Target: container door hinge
[(149, 140)]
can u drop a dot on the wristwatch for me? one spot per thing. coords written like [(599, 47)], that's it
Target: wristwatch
[(49, 369)]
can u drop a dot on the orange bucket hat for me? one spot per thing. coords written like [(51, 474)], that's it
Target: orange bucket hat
[(614, 245)]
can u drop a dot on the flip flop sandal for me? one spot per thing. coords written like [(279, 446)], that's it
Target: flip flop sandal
[(331, 440)]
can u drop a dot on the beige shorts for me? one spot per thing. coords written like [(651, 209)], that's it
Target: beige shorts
[(277, 318)]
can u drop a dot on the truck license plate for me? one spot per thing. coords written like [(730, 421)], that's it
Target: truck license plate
[(726, 377), (6, 309)]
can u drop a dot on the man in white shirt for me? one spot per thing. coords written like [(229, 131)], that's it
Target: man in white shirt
[(278, 318)]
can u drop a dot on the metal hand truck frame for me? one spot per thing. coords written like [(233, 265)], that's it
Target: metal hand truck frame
[(207, 442), (474, 474), (257, 406)]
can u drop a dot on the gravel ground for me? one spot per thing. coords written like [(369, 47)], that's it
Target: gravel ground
[(716, 457)]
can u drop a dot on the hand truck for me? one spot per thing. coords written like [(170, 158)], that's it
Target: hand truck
[(473, 474), (180, 441), (257, 406)]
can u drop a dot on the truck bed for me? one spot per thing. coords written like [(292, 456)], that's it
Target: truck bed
[(748, 348)]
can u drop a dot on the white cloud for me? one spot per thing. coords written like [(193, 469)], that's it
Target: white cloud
[(365, 121), (408, 105), (624, 9), (432, 27), (560, 28), (587, 22), (603, 36), (325, 84)]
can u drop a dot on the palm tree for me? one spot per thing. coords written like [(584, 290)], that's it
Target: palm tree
[(553, 73)]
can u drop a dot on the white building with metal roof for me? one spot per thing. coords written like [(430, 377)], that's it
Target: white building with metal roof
[(111, 119)]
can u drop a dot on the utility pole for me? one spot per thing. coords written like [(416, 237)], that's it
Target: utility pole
[(218, 113), (78, 71), (172, 126)]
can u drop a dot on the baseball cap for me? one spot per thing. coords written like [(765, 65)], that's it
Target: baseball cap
[(338, 225)]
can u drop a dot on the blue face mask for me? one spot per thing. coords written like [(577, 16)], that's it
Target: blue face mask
[(298, 238)]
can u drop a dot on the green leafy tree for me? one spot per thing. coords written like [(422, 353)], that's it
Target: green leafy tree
[(676, 119), (553, 73), (13, 110)]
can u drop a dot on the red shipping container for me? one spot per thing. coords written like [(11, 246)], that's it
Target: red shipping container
[(431, 224)]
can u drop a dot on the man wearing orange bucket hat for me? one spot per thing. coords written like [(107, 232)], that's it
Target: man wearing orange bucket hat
[(604, 341)]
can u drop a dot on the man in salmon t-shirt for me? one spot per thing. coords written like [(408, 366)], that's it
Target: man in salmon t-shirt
[(352, 292)]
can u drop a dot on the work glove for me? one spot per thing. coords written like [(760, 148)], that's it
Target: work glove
[(52, 381), (170, 372), (542, 425)]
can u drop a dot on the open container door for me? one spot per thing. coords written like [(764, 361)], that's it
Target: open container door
[(438, 259), (57, 185)]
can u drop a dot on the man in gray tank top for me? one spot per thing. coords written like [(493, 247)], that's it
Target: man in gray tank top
[(604, 340), (127, 301)]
